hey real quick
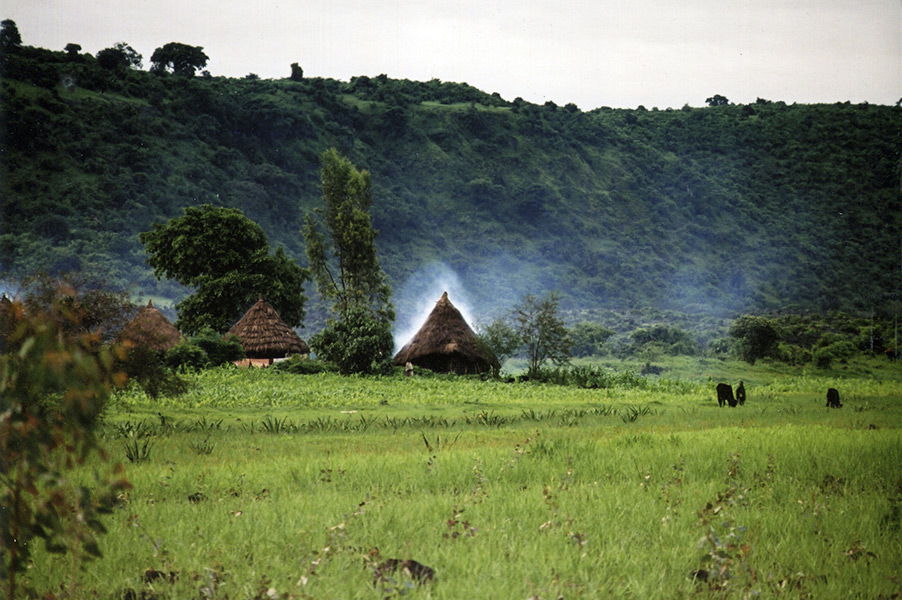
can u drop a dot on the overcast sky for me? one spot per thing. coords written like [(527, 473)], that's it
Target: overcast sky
[(618, 53)]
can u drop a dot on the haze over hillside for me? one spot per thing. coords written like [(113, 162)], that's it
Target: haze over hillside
[(710, 210)]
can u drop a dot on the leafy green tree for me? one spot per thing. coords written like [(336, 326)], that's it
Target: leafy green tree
[(669, 340), (181, 59), (148, 369), (501, 338), (297, 73), (717, 100), (120, 56), (345, 267), (589, 338), (55, 380), (347, 272), (226, 257), (755, 337), (543, 335), (10, 39), (72, 49)]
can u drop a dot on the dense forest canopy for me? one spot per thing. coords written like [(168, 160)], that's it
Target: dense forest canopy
[(717, 210)]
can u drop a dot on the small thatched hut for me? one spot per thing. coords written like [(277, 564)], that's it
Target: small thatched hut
[(263, 334), (446, 344), (150, 329)]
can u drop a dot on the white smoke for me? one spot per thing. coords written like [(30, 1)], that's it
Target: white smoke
[(417, 296)]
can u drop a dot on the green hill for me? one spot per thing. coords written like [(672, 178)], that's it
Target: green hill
[(700, 210)]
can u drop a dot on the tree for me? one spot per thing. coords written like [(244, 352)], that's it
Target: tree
[(181, 59), (501, 338), (101, 311), (347, 272), (589, 338), (9, 36), (120, 56), (226, 257), (55, 379), (756, 337), (542, 332), (72, 50), (351, 277), (297, 73), (717, 100)]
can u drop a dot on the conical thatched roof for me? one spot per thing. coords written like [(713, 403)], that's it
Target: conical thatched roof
[(264, 334), (150, 329), (445, 343)]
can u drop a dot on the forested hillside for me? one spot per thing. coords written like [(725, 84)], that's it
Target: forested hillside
[(716, 209)]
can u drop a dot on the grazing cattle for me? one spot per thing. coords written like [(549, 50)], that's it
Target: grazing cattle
[(833, 398), (725, 394), (740, 394)]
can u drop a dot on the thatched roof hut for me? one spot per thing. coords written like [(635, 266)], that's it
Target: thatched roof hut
[(150, 329), (263, 334), (446, 344)]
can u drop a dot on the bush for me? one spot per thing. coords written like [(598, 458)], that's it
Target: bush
[(589, 339), (756, 337), (359, 343), (298, 365), (663, 339), (841, 351), (792, 354), (49, 356), (150, 370), (219, 350), (188, 355)]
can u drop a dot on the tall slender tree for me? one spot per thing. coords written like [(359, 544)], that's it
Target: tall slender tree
[(347, 272), (345, 266)]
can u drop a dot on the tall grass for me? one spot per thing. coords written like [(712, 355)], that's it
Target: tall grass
[(506, 491)]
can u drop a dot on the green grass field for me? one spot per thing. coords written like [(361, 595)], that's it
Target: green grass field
[(258, 484)]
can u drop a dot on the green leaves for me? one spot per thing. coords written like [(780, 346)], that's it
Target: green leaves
[(55, 379), (542, 332), (205, 240), (756, 337), (358, 343), (360, 340), (181, 59), (351, 277), (225, 256)]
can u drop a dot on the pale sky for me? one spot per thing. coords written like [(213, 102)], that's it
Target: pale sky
[(618, 53)]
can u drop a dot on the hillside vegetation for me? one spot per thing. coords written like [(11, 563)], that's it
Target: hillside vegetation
[(715, 210)]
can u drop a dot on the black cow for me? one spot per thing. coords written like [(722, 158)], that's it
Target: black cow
[(725, 394), (740, 394), (833, 398)]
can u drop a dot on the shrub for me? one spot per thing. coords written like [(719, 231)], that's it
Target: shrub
[(756, 337), (150, 370), (792, 354), (219, 349), (841, 350), (359, 343), (186, 354), (589, 339), (663, 339), (55, 379), (207, 349), (298, 365)]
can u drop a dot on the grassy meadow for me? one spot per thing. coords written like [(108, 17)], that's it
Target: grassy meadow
[(259, 484)]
